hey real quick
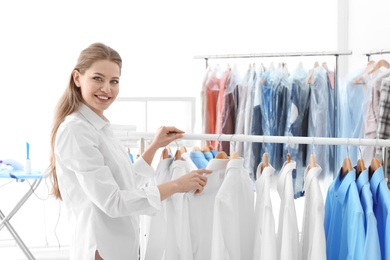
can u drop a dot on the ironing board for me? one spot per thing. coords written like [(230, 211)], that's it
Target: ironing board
[(19, 176)]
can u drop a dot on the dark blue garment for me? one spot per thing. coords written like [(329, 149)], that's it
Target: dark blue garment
[(344, 219), (198, 158), (381, 198), (257, 129)]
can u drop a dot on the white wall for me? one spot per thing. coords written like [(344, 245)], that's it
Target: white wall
[(40, 42)]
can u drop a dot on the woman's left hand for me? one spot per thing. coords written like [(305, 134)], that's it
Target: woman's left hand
[(166, 135)]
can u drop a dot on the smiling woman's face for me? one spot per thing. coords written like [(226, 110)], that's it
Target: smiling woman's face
[(99, 85)]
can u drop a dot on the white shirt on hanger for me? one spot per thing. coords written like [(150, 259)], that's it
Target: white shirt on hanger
[(313, 245), (156, 226), (265, 236), (179, 232), (233, 219), (288, 234), (202, 208)]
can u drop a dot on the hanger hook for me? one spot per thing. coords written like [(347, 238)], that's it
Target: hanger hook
[(233, 145), (347, 147), (312, 143), (288, 143), (264, 147)]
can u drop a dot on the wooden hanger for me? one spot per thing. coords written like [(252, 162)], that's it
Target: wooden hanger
[(374, 165), (309, 78), (360, 167), (234, 155), (264, 162), (347, 167), (183, 149), (379, 64), (288, 160), (221, 155), (178, 155), (211, 147), (205, 149), (196, 149), (165, 154)]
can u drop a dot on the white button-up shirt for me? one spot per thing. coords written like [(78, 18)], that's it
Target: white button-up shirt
[(313, 245), (156, 229), (234, 215), (102, 190), (177, 213), (288, 234), (202, 210), (265, 235)]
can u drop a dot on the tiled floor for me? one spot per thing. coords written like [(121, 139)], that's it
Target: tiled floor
[(39, 253)]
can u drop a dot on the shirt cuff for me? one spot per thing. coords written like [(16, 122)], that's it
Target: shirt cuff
[(154, 197), (141, 167)]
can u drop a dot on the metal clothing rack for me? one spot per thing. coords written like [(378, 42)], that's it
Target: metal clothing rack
[(277, 54), (377, 52), (272, 139)]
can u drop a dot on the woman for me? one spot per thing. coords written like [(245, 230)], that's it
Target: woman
[(92, 173)]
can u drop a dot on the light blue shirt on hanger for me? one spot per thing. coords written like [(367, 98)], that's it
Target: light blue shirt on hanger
[(381, 198), (371, 247), (344, 219)]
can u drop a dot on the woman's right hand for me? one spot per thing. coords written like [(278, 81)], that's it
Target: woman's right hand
[(194, 180)]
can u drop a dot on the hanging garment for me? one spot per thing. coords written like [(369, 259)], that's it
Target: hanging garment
[(353, 98), (221, 104), (229, 111), (156, 242), (257, 124), (265, 236), (297, 125), (371, 117), (288, 234), (233, 218), (371, 245), (247, 149), (381, 198), (201, 208), (384, 121), (177, 212), (344, 219), (198, 159), (319, 125), (210, 93), (312, 241)]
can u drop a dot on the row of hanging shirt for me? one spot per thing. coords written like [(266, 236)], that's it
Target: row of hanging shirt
[(233, 218), (272, 102), (365, 108)]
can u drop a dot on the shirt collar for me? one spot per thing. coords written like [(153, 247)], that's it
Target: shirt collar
[(362, 180), (375, 180), (310, 174), (342, 186), (92, 117), (235, 163), (287, 168)]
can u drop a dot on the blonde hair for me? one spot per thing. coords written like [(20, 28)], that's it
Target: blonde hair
[(71, 98)]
